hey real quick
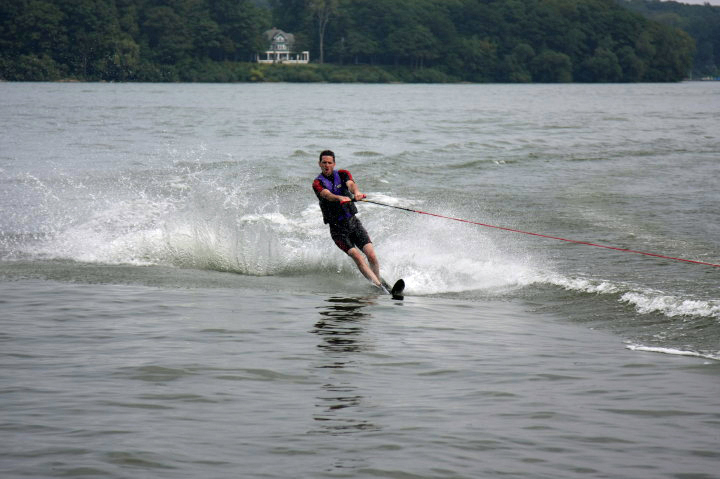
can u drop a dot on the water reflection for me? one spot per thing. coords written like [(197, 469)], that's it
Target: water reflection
[(341, 328)]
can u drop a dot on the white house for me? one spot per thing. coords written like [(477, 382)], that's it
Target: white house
[(281, 49)]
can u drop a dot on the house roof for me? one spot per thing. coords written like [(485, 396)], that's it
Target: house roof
[(270, 34)]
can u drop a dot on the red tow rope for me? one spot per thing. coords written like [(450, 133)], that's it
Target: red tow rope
[(624, 250)]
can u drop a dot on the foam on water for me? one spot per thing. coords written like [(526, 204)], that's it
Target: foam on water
[(670, 305), (672, 351), (435, 257), (187, 218), (124, 232), (195, 217), (644, 300)]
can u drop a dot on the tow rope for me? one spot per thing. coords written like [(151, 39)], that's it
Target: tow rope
[(624, 250)]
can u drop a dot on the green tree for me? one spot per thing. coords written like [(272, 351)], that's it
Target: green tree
[(551, 67), (515, 67), (240, 26), (165, 35), (40, 28), (292, 16), (602, 67), (480, 58), (414, 42), (125, 62), (633, 68), (701, 22), (93, 28), (322, 11), (673, 54)]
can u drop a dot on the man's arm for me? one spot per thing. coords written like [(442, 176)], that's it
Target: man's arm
[(352, 187), (326, 194)]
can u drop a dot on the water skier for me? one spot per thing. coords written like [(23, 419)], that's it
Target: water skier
[(334, 189)]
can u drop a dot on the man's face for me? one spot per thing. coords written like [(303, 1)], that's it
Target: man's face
[(327, 163)]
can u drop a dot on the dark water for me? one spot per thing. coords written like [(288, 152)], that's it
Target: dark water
[(172, 305)]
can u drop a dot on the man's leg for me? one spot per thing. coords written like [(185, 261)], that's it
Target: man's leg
[(372, 259), (363, 266)]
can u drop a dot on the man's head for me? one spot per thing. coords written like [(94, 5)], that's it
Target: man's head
[(327, 162)]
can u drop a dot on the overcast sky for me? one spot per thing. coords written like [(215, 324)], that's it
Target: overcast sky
[(714, 3)]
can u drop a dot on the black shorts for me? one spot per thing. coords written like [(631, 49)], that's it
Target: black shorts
[(349, 233)]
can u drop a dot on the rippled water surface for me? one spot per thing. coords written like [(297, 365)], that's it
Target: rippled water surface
[(172, 305)]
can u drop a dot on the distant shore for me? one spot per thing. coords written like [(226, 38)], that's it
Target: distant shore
[(247, 72)]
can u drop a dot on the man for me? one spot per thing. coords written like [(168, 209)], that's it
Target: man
[(333, 189)]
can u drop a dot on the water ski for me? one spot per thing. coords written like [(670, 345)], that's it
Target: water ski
[(397, 289)]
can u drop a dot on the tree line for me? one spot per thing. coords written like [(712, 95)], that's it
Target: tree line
[(349, 40), (122, 40), (702, 22)]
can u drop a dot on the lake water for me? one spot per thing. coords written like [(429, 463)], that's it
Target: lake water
[(171, 305)]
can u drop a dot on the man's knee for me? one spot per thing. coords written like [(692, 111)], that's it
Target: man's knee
[(370, 253), (355, 254)]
